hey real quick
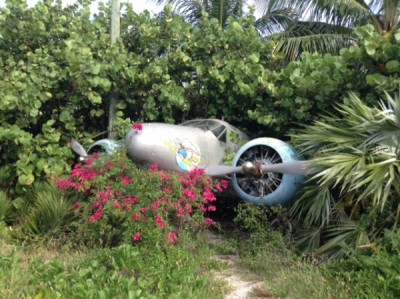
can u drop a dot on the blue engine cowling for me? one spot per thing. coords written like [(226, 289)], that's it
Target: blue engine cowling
[(272, 189)]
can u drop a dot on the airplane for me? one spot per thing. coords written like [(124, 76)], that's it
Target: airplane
[(265, 171)]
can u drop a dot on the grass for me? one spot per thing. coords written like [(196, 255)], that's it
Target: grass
[(264, 256), (122, 272), (184, 270)]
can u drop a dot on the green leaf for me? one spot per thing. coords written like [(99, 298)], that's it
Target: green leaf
[(376, 79), (34, 112), (37, 104), (393, 65), (96, 68), (26, 179), (99, 112)]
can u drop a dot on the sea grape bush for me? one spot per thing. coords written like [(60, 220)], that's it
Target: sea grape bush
[(58, 70), (116, 202)]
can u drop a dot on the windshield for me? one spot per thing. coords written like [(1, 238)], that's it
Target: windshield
[(216, 127)]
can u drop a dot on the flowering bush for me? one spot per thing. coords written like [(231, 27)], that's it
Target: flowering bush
[(116, 202)]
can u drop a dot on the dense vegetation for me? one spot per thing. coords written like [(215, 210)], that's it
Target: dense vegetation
[(58, 72), (54, 76)]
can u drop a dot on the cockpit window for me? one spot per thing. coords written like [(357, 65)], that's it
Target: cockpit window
[(214, 126)]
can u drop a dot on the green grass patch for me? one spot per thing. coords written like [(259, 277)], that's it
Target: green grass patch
[(126, 271)]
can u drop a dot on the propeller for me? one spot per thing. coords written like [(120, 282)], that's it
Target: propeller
[(249, 168), (78, 148)]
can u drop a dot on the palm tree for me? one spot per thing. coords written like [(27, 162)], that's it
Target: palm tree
[(275, 16), (302, 25), (193, 9), (354, 196), (327, 25)]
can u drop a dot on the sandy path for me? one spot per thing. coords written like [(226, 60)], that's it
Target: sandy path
[(241, 283)]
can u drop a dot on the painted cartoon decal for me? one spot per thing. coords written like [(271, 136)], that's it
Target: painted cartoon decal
[(187, 153)]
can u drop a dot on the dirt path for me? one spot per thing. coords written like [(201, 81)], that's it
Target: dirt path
[(242, 284)]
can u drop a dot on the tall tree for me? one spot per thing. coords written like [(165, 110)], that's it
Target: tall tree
[(193, 9), (276, 15), (115, 33)]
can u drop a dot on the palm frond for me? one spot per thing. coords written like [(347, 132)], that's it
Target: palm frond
[(276, 20), (48, 215), (309, 240), (345, 237), (314, 207), (358, 154), (312, 37)]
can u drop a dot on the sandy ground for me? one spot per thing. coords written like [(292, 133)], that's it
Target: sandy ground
[(241, 283)]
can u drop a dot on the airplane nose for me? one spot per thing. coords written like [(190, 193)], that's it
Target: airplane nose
[(129, 136)]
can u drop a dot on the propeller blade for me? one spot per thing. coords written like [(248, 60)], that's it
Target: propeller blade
[(294, 167), (222, 170), (78, 148)]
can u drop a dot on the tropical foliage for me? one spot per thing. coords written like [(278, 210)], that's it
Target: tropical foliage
[(56, 82), (302, 26), (353, 197), (275, 15), (327, 26), (218, 9), (116, 202)]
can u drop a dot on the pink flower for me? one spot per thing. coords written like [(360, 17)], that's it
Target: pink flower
[(167, 191), (105, 195), (209, 221), (154, 167), (196, 173), (129, 200), (211, 208), (136, 237), (144, 210), (76, 206), (224, 184), (109, 165), (137, 127), (208, 195), (164, 176), (180, 213), (190, 194), (126, 180), (92, 219), (96, 204), (159, 221), (135, 217), (155, 205), (203, 208), (189, 208), (98, 215), (172, 237), (117, 205)]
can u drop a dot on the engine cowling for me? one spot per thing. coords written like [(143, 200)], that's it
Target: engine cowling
[(270, 189), (108, 146)]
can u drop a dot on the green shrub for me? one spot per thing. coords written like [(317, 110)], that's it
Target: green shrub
[(353, 194), (42, 214), (371, 275), (116, 202)]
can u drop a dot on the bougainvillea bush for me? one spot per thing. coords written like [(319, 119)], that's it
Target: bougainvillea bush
[(115, 201)]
